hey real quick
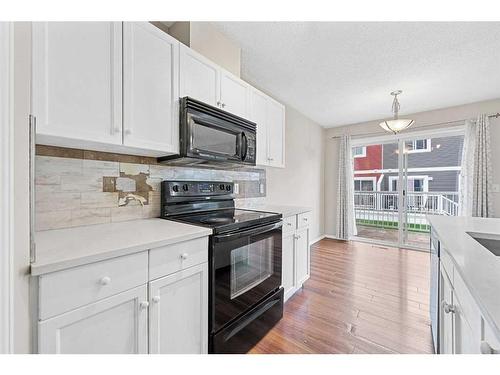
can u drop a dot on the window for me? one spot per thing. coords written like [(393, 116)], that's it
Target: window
[(415, 183), (364, 184), (359, 152), (418, 145)]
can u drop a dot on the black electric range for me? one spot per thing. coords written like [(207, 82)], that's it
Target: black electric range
[(245, 250)]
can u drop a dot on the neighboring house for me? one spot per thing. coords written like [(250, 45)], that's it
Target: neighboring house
[(433, 165), (367, 158)]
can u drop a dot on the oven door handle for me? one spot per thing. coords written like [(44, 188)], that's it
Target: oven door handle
[(246, 233)]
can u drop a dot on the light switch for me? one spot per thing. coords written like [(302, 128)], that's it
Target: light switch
[(236, 188)]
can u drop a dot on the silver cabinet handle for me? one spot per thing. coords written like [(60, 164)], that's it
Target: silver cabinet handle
[(144, 305), (223, 105), (128, 131), (105, 280), (289, 224), (156, 299), (116, 129), (448, 308), (487, 349), (218, 104)]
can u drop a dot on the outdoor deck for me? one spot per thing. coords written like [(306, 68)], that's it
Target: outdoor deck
[(418, 239)]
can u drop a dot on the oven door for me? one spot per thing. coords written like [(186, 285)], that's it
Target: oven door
[(245, 268), (215, 139)]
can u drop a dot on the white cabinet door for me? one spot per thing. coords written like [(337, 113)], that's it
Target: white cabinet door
[(178, 321), (288, 264), (199, 77), (258, 114), (465, 340), (151, 88), (115, 325), (276, 132), (446, 317), (234, 94), (302, 255), (77, 81)]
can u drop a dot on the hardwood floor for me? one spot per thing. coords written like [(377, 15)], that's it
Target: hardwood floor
[(361, 298)]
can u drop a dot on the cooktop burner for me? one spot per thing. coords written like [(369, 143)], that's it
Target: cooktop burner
[(228, 219)]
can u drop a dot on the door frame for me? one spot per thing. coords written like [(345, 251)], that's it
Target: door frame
[(400, 140), (6, 189)]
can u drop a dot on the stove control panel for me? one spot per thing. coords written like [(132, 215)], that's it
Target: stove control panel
[(196, 188)]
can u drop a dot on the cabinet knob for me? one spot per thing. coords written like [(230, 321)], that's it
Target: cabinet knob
[(156, 299), (105, 280), (117, 129), (223, 105), (486, 348), (184, 256), (218, 104), (305, 218), (448, 308), (128, 131), (144, 305), (289, 224)]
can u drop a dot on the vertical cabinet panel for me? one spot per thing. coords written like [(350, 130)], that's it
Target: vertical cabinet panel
[(234, 94), (446, 318), (288, 264), (115, 325), (276, 126), (258, 114), (151, 88), (302, 255), (199, 77), (179, 312), (77, 80)]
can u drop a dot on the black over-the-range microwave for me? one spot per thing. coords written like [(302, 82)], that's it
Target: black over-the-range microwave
[(210, 135)]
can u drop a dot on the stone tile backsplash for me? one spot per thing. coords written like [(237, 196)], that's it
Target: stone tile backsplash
[(73, 191)]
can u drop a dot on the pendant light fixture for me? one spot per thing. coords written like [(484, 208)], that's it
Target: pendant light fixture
[(397, 124)]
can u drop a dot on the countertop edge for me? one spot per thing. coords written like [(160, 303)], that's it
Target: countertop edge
[(38, 270)]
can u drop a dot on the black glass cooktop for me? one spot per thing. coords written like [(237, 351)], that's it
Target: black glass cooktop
[(224, 220)]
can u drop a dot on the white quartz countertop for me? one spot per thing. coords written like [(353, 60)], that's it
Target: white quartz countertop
[(478, 267), (285, 211), (64, 248)]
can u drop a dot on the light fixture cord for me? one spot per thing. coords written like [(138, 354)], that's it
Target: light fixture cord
[(395, 107)]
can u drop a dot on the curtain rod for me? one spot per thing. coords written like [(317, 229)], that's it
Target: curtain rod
[(495, 115)]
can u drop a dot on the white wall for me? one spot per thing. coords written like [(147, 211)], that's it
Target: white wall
[(422, 119), (301, 182)]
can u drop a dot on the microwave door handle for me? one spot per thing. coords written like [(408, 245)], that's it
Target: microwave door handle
[(246, 233), (244, 143)]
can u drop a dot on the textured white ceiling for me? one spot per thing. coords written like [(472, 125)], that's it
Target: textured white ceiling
[(341, 73)]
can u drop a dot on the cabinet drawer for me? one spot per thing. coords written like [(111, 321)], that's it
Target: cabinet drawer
[(66, 290), (303, 219), (289, 224), (447, 263), (172, 258)]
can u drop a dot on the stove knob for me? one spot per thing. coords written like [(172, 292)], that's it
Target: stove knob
[(185, 187), (175, 188), (221, 186), (228, 187)]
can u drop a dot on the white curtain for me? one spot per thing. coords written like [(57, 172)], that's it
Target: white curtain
[(475, 196), (346, 221)]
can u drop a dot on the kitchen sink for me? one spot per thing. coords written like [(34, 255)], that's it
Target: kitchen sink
[(489, 241)]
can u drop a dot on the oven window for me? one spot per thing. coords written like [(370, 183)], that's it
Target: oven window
[(212, 139), (250, 265)]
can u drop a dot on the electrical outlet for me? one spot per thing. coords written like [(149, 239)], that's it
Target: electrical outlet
[(261, 188), (236, 188), (495, 188)]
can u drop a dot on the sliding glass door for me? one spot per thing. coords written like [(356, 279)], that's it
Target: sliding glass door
[(398, 183)]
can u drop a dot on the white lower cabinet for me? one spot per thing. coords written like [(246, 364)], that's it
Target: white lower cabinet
[(109, 313), (295, 255), (462, 328), (178, 316), (115, 325)]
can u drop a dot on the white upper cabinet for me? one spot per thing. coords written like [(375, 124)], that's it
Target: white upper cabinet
[(150, 88), (199, 77), (77, 80), (234, 94), (269, 115), (258, 114), (276, 137)]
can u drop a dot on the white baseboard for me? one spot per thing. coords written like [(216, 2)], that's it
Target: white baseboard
[(312, 242), (331, 237)]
